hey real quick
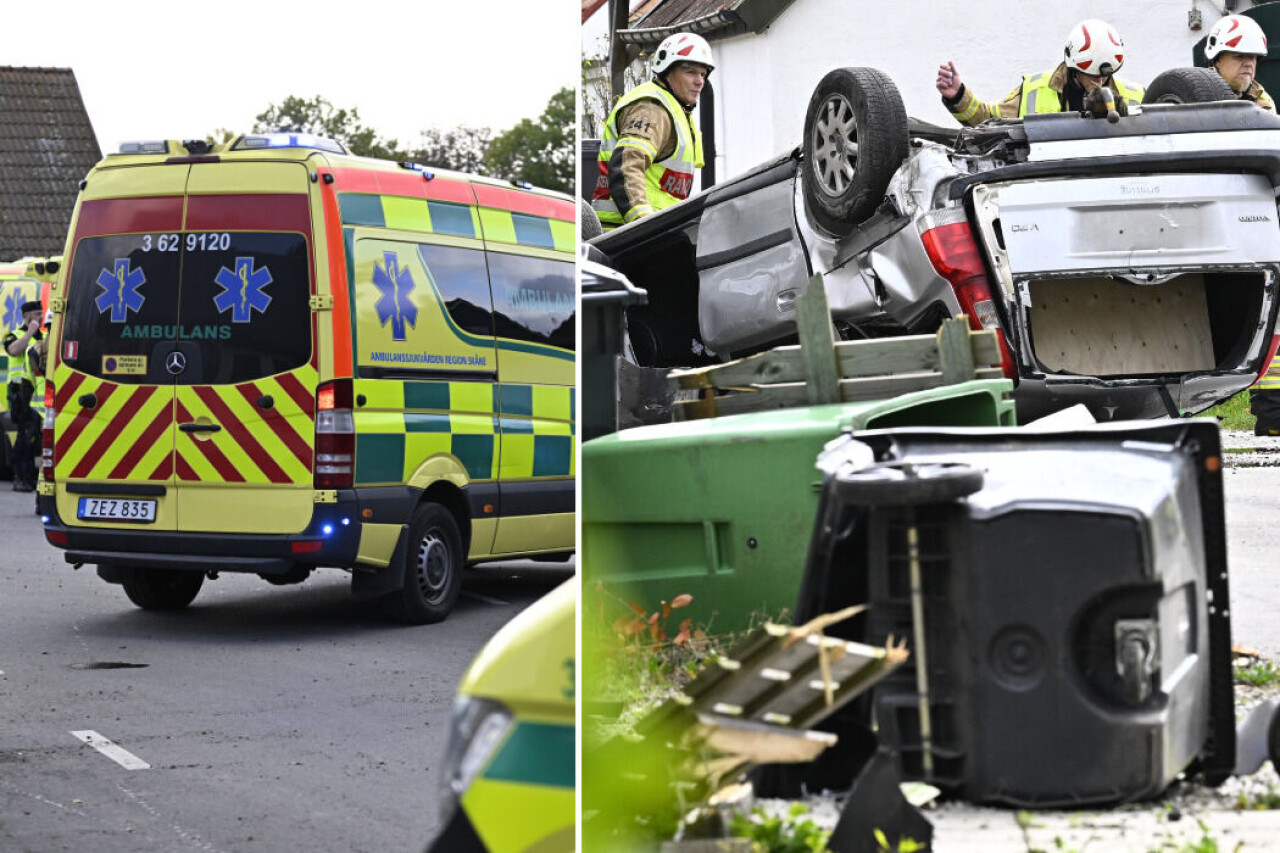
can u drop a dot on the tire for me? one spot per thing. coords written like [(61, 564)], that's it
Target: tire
[(588, 221), (1188, 86), (162, 589), (905, 484), (433, 568), (855, 137)]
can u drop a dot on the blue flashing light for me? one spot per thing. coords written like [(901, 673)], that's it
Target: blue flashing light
[(345, 522), (44, 519), (427, 174), (264, 141), (524, 185), (327, 530)]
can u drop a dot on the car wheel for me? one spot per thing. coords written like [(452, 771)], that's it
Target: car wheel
[(162, 589), (907, 484), (433, 567), (855, 137), (588, 221), (1188, 86)]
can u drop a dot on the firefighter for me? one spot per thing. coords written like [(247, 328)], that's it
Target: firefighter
[(20, 389), (1094, 53), (1234, 46), (649, 147)]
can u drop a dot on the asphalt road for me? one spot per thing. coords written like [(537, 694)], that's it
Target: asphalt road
[(271, 718)]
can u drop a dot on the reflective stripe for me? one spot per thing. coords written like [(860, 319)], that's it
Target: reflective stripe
[(18, 363), (1270, 380), (643, 145), (505, 430), (1039, 97), (666, 181)]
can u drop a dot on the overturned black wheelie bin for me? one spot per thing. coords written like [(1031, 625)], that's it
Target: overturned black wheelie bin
[(1063, 595)]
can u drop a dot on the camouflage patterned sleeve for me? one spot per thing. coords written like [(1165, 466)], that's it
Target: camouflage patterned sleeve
[(645, 134)]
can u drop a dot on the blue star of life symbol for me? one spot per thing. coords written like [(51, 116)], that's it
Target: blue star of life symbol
[(394, 305), (242, 290), (120, 290), (13, 309)]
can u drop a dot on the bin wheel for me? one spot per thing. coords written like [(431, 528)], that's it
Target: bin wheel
[(908, 484), (433, 567), (162, 589)]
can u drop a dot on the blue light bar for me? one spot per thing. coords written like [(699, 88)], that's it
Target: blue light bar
[(264, 141), (152, 146)]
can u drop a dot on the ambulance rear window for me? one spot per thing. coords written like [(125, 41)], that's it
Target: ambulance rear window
[(235, 304)]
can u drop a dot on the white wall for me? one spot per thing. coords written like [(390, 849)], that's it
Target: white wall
[(763, 82)]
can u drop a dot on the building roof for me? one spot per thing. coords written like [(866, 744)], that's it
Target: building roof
[(712, 19), (47, 146)]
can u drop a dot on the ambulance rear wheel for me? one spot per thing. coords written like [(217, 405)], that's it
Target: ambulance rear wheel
[(433, 567), (160, 589)]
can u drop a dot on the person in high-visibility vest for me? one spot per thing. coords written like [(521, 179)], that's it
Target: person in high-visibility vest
[(649, 147), (20, 388), (1234, 46), (1094, 53)]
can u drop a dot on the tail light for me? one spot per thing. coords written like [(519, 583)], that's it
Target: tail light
[(335, 436), (955, 255), (46, 435)]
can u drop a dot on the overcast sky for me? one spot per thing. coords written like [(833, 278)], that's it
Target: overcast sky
[(178, 71)]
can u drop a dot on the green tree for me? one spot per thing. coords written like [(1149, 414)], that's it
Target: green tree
[(540, 151), (461, 148), (316, 115)]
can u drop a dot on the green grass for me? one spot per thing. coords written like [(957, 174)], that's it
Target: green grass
[(1233, 413), (1258, 674), (1266, 801)]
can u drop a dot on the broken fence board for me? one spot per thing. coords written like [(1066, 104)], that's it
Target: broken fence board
[(791, 395), (855, 358), (817, 344), (955, 351)]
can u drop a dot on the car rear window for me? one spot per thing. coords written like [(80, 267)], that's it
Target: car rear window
[(236, 303)]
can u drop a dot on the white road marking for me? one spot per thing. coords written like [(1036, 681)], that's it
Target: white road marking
[(486, 599), (120, 756)]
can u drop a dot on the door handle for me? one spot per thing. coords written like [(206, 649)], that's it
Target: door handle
[(87, 400), (199, 427)]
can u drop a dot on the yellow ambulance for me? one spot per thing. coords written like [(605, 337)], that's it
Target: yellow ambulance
[(509, 773), (269, 356), (21, 281)]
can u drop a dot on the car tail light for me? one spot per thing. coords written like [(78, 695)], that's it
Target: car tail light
[(335, 436), (954, 253), (46, 435)]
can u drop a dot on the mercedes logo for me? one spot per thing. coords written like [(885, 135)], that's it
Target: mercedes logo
[(175, 362)]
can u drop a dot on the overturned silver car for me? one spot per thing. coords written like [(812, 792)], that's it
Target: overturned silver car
[(1130, 263)]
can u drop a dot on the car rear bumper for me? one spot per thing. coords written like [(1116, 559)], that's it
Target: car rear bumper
[(331, 539)]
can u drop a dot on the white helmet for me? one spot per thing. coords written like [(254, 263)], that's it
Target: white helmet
[(682, 47), (1236, 34), (1094, 48)]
